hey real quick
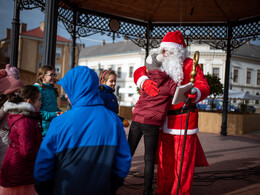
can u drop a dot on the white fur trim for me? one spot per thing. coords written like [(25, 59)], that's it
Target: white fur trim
[(170, 44), (178, 131), (20, 105), (149, 60), (198, 95), (141, 80)]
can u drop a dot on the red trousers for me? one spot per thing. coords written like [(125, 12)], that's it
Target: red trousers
[(169, 159)]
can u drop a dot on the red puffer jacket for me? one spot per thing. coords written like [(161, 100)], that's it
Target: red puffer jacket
[(25, 137)]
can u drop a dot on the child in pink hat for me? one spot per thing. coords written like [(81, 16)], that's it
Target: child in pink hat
[(8, 85)]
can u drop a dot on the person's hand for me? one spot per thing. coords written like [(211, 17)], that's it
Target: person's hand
[(193, 96), (126, 123), (150, 87)]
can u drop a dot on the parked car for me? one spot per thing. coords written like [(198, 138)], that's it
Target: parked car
[(206, 104), (250, 109)]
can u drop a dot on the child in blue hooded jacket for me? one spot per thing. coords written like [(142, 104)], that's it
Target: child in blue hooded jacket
[(85, 150), (46, 78)]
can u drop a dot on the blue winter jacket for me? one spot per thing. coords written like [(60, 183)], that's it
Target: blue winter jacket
[(85, 150), (109, 98), (49, 105)]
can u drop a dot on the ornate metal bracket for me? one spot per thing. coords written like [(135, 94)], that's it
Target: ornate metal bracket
[(90, 22)]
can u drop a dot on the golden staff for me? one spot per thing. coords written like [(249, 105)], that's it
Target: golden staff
[(193, 90), (194, 66)]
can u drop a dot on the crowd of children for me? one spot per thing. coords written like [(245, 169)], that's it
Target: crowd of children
[(84, 150), (26, 114)]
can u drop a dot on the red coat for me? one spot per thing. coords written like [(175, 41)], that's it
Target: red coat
[(153, 110), (25, 137)]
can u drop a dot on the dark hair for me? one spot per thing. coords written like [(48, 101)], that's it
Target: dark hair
[(105, 74), (26, 92), (3, 99), (41, 72)]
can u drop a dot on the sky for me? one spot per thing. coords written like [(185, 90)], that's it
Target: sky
[(34, 17)]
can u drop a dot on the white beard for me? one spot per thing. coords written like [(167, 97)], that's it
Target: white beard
[(173, 63)]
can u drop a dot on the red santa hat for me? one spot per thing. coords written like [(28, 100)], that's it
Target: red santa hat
[(173, 39)]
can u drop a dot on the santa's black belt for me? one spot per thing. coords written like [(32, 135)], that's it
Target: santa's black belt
[(182, 110)]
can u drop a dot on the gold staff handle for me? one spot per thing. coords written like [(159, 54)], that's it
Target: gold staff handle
[(194, 66)]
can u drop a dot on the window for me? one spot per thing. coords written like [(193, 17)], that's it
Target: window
[(119, 70), (58, 52), (57, 68), (40, 50), (117, 90), (248, 77), (39, 64), (258, 78), (216, 72), (247, 101), (235, 78), (130, 94), (131, 68), (100, 70), (257, 101)]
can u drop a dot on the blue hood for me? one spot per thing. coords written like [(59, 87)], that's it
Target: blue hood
[(81, 86)]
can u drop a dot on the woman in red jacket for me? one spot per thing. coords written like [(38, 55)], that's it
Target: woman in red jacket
[(16, 176)]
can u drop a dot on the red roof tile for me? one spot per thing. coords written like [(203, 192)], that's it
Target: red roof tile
[(37, 32)]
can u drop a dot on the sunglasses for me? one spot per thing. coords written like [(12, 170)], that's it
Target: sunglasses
[(51, 75)]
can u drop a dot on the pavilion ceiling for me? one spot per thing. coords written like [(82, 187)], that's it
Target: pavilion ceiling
[(145, 22), (171, 11)]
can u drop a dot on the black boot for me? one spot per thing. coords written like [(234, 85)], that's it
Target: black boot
[(148, 192)]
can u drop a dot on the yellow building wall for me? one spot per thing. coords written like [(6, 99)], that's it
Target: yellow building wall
[(28, 55)]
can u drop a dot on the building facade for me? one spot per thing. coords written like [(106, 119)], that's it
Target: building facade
[(245, 71), (30, 53), (125, 57)]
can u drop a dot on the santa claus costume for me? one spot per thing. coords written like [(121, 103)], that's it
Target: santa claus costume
[(179, 67)]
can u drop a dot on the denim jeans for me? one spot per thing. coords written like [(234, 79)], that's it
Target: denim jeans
[(151, 133)]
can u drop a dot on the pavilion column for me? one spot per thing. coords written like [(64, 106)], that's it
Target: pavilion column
[(15, 34), (73, 36), (147, 39), (226, 84), (50, 33)]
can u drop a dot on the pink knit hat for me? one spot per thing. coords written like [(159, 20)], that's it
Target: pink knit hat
[(12, 71), (9, 84)]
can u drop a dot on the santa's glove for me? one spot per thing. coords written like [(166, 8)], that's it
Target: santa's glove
[(192, 95), (150, 87)]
